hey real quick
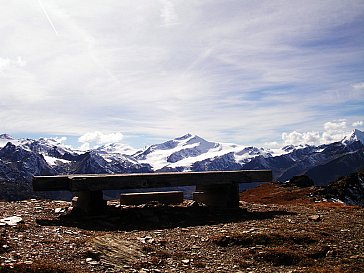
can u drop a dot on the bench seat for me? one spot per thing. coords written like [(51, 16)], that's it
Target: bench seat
[(89, 187)]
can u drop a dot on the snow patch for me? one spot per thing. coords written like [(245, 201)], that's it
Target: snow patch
[(52, 161)]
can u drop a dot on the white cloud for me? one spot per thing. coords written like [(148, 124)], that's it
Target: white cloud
[(6, 63), (359, 86), (272, 145), (297, 138), (85, 146), (357, 123), (333, 131), (100, 138), (334, 126), (60, 139), (168, 13)]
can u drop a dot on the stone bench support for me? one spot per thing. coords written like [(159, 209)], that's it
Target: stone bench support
[(224, 195), (168, 197)]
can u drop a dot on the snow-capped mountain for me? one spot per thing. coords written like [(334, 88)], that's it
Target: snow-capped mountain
[(116, 148), (183, 152), (356, 135), (20, 159)]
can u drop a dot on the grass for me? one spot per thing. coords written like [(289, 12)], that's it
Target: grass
[(249, 240)]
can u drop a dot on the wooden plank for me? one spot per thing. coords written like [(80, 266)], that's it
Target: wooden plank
[(93, 182), (160, 180), (51, 183)]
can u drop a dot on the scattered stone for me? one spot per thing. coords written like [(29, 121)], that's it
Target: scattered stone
[(315, 218), (146, 240), (59, 210), (192, 204), (355, 257), (264, 239), (92, 261), (12, 221)]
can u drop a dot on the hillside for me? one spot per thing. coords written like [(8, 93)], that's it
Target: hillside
[(276, 229)]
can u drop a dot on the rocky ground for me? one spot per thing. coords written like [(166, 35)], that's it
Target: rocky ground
[(276, 229)]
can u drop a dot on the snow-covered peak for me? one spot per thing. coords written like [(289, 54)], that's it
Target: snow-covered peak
[(116, 148), (188, 149), (45, 146), (356, 135), (175, 150), (6, 137), (186, 136)]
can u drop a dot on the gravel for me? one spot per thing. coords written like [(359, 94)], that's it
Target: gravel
[(276, 229)]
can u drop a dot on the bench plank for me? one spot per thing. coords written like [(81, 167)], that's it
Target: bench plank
[(146, 180), (51, 183)]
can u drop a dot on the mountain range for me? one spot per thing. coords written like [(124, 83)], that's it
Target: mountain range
[(20, 159)]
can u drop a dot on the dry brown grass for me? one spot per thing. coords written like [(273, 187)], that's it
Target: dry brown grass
[(269, 239), (275, 193)]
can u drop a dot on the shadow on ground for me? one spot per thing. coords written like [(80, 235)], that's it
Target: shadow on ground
[(157, 217)]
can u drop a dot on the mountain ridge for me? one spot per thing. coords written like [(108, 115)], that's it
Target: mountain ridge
[(20, 159)]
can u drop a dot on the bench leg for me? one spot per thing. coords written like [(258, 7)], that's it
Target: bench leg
[(90, 202), (223, 195)]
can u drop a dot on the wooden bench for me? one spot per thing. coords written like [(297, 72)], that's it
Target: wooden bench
[(216, 188)]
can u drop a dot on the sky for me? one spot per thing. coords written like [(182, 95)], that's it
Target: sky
[(141, 72)]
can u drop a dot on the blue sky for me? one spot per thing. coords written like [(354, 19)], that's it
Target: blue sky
[(249, 72)]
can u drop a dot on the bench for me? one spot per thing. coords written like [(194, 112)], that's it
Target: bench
[(215, 188)]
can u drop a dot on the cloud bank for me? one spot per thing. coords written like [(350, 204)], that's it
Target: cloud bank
[(95, 139), (332, 131)]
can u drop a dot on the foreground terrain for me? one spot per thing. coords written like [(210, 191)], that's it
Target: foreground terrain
[(276, 229)]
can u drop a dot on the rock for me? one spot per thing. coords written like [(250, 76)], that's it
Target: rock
[(192, 204), (92, 261), (186, 261), (12, 221), (301, 181), (146, 240), (59, 210), (315, 218)]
